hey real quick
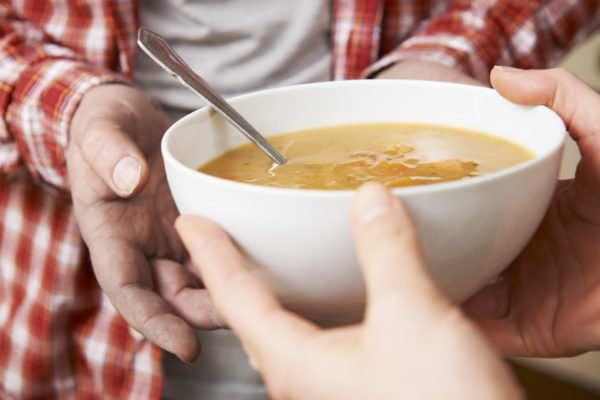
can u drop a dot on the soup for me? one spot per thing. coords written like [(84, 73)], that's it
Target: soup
[(344, 157)]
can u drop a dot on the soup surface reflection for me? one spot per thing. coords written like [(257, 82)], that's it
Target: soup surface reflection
[(344, 157)]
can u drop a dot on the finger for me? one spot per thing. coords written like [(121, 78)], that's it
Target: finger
[(578, 105), (490, 302), (506, 337), (130, 290), (559, 89), (493, 300), (521, 336), (389, 251), (113, 155), (245, 303), (181, 290)]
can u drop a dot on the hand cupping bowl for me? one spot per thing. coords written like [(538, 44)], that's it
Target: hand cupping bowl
[(299, 241)]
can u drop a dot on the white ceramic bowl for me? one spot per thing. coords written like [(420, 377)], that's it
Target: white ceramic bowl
[(299, 241)]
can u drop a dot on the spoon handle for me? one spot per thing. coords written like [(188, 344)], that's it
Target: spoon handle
[(164, 55)]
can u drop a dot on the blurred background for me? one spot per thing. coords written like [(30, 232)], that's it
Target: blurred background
[(577, 377)]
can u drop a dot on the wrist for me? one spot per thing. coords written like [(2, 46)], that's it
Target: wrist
[(426, 70)]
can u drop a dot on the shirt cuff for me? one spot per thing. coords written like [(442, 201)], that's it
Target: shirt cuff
[(44, 104), (458, 56)]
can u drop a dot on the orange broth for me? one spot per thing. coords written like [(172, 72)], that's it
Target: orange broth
[(344, 157)]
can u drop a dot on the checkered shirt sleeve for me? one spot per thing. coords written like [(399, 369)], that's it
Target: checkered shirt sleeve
[(472, 36), (60, 338), (41, 84)]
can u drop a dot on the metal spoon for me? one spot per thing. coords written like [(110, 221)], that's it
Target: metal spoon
[(159, 50)]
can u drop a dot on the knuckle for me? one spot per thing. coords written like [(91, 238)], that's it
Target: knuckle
[(563, 73)]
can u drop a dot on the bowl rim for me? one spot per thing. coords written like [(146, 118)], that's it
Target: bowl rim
[(405, 190)]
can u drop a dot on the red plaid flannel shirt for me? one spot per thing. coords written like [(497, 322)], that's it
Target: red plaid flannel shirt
[(59, 335)]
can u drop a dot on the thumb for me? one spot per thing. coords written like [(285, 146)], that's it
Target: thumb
[(577, 104), (559, 89), (113, 156), (389, 251)]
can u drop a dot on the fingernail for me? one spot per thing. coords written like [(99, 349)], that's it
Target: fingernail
[(126, 175), (371, 201), (506, 68), (184, 360)]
